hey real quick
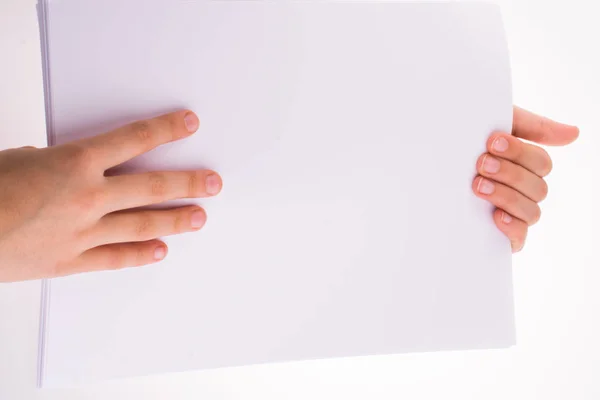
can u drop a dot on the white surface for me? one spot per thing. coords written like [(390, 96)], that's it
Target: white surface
[(555, 72), (324, 243)]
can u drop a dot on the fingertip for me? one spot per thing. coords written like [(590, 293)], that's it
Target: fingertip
[(480, 162), (496, 134), (191, 121), (505, 222), (160, 251), (477, 184), (499, 142), (543, 130), (506, 218), (499, 218), (574, 133), (504, 227), (483, 187), (561, 134), (214, 183), (514, 229), (198, 218)]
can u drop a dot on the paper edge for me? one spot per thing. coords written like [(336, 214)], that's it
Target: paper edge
[(510, 122), (42, 13), (70, 384)]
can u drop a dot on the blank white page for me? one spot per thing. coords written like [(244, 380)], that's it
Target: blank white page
[(347, 136)]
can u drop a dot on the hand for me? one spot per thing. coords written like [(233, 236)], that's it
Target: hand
[(60, 214), (511, 172)]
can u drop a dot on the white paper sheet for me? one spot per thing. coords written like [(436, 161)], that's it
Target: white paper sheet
[(346, 134)]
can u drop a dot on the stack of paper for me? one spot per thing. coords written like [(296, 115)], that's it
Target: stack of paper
[(346, 135)]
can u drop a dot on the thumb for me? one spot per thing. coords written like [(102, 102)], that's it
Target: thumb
[(538, 129)]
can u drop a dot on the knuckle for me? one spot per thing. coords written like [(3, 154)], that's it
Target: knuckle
[(541, 122), (158, 185), (509, 198), (141, 130), (179, 224), (116, 257), (193, 184), (518, 177), (141, 255), (88, 201), (171, 125), (518, 151), (144, 227), (544, 127), (79, 158)]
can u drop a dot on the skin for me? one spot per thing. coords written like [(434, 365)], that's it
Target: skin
[(61, 213), (511, 174)]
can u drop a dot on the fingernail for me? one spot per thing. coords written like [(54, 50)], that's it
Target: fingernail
[(213, 184), (507, 219), (160, 253), (490, 164), (485, 187), (191, 122), (198, 219), (500, 144)]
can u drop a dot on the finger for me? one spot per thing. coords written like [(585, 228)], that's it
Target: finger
[(513, 228), (130, 191), (507, 199), (529, 126), (529, 156), (514, 176), (142, 225), (115, 256), (122, 144)]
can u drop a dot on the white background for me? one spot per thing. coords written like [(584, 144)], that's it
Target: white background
[(556, 61)]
